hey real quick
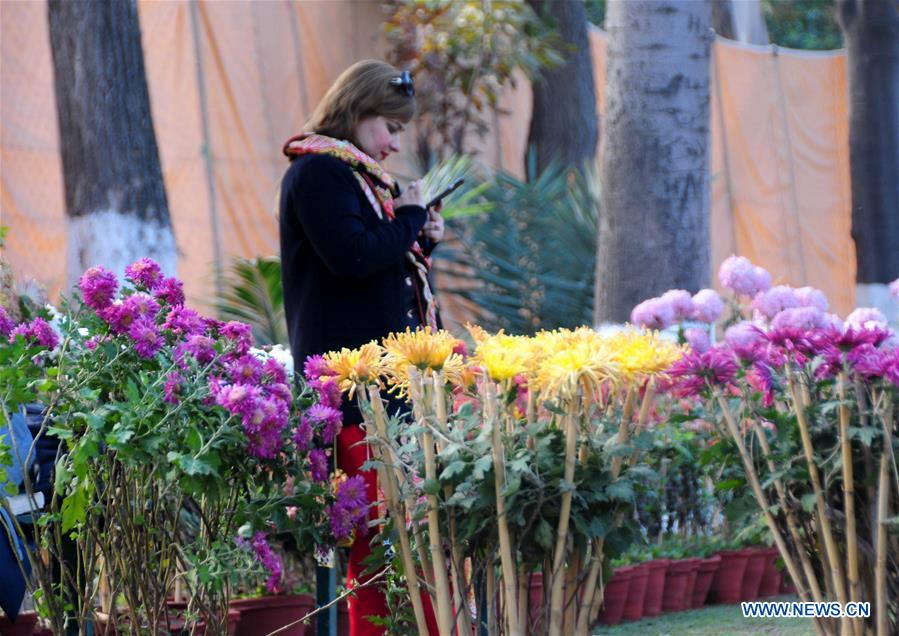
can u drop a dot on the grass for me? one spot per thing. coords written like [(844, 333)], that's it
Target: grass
[(715, 620)]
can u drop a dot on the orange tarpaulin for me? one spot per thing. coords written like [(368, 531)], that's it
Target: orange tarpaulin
[(230, 81)]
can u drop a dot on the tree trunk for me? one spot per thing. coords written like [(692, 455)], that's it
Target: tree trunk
[(871, 33), (654, 216), (564, 124), (115, 196)]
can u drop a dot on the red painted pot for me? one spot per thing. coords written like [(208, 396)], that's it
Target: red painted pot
[(755, 568), (674, 598), (615, 596), (770, 585), (728, 582), (535, 602), (705, 573), (23, 626), (177, 625), (263, 615), (655, 586), (636, 593)]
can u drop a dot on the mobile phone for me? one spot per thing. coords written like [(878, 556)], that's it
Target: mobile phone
[(455, 184)]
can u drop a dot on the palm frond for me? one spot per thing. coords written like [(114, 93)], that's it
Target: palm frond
[(252, 293)]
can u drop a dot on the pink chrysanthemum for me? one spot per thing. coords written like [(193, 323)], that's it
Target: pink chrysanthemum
[(698, 339), (744, 339), (98, 287), (866, 316), (707, 306), (269, 560), (811, 297), (773, 301), (681, 303), (799, 318), (739, 275), (144, 272), (653, 313)]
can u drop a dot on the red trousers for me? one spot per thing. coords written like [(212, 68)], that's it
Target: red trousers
[(368, 601)]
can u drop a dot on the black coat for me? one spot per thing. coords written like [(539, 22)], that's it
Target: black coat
[(345, 275)]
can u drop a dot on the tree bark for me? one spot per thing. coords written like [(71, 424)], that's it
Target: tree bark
[(654, 215), (114, 191), (871, 33), (564, 125)]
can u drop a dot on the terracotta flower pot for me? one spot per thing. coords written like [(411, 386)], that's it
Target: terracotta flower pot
[(674, 597), (636, 594), (770, 585), (615, 596), (655, 586), (705, 574), (263, 615), (23, 626), (755, 568), (728, 582)]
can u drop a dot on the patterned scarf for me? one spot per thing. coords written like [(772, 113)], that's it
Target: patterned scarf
[(379, 188)]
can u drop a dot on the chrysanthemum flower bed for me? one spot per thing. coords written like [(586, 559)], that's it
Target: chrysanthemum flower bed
[(182, 451), (524, 457)]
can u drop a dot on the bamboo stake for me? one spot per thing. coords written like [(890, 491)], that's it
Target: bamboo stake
[(505, 539), (558, 585), (585, 617), (880, 566), (760, 497), (458, 576), (438, 561), (523, 596), (811, 581), (833, 555), (492, 627), (883, 512), (390, 485), (571, 578), (849, 503)]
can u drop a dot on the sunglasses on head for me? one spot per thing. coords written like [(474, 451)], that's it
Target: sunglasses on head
[(404, 83)]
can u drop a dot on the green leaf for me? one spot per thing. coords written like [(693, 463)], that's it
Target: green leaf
[(431, 486), (808, 501), (622, 490), (74, 508), (544, 534), (453, 469), (481, 466)]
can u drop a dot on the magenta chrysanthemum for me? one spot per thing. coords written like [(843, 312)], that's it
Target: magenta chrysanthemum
[(98, 287), (37, 330), (318, 465), (145, 272), (201, 348), (6, 323), (274, 371), (170, 290), (245, 368), (269, 560), (172, 388), (707, 306), (147, 340), (326, 418), (315, 367), (329, 393), (183, 321), (239, 333), (696, 372), (302, 435)]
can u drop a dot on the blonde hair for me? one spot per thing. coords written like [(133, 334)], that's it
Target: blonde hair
[(362, 90)]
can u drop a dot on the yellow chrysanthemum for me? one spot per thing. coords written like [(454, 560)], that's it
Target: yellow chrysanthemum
[(503, 357), (579, 360), (422, 349), (350, 367), (477, 333), (643, 353)]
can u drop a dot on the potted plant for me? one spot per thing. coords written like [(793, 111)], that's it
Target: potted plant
[(615, 596)]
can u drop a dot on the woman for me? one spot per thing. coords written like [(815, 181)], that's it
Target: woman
[(354, 251)]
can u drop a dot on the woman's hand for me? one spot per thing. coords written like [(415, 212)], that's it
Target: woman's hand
[(411, 196), (434, 227)]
